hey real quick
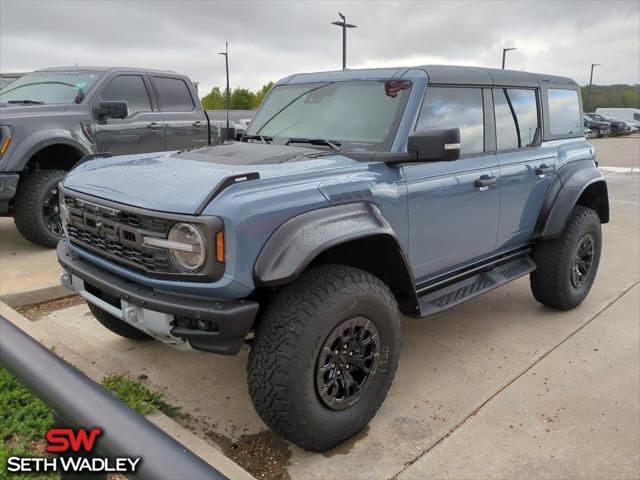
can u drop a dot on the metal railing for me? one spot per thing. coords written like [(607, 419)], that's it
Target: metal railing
[(79, 402)]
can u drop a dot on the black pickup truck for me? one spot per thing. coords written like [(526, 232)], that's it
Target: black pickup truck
[(52, 118)]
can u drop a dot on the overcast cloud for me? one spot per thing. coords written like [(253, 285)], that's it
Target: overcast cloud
[(271, 39)]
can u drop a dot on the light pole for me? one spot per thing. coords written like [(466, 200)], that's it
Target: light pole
[(504, 54), (590, 82), (226, 63), (344, 26)]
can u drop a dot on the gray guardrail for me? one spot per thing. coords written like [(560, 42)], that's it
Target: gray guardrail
[(79, 402)]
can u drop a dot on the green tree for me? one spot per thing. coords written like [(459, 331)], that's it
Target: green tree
[(260, 94), (242, 99), (215, 100), (612, 96)]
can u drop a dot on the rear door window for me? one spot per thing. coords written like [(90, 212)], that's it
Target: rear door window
[(174, 95), (455, 107), (564, 112), (517, 120), (130, 89)]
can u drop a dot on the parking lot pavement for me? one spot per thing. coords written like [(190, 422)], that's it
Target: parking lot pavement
[(461, 368), (573, 415), (28, 273), (618, 151)]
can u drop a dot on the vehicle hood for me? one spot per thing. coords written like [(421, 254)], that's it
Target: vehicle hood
[(179, 182), (20, 110)]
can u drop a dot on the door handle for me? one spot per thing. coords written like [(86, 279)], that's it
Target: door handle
[(154, 125), (485, 182), (198, 123), (543, 169)]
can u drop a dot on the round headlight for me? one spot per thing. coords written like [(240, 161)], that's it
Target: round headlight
[(188, 251)]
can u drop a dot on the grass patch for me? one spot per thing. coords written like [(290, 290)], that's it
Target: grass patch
[(137, 396), (24, 421)]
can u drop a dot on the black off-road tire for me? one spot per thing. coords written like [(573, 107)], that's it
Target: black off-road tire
[(551, 282), (28, 204), (117, 326), (284, 358), (614, 132)]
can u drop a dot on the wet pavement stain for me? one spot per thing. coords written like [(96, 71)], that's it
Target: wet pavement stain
[(37, 311), (265, 454), (345, 447)]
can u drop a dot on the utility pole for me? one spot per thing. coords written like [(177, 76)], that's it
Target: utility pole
[(226, 63), (344, 26), (504, 54), (590, 82)]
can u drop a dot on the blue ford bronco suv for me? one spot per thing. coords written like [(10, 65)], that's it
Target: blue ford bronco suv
[(353, 196)]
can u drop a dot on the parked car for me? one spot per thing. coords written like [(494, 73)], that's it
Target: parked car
[(52, 118), (238, 119), (629, 115), (618, 127), (597, 129), (308, 238)]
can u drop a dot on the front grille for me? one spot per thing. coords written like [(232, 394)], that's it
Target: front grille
[(151, 260), (117, 235), (142, 222)]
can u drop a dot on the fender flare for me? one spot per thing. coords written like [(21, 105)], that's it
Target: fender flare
[(35, 142), (299, 240), (563, 194)]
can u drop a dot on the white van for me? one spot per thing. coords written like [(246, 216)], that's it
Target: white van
[(629, 115)]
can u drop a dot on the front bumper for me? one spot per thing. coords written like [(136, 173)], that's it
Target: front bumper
[(180, 321)]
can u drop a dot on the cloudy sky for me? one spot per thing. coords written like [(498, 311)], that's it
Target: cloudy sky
[(271, 39)]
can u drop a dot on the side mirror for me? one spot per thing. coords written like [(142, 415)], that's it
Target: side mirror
[(112, 110), (435, 144)]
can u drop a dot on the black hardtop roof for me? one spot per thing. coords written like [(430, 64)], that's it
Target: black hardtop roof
[(439, 74), (495, 76)]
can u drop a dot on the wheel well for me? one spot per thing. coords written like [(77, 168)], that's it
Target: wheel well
[(54, 157), (381, 256), (595, 196)]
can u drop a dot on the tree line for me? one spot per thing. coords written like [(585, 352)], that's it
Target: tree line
[(612, 96), (241, 98), (601, 96)]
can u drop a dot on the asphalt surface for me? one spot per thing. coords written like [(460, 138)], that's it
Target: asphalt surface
[(498, 387)]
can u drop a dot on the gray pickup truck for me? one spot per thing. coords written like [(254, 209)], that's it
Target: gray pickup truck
[(51, 119)]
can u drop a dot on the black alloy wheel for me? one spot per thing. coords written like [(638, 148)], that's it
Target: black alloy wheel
[(347, 363), (582, 261), (51, 212)]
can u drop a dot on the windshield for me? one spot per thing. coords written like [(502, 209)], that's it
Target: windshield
[(356, 115), (50, 87), (598, 117)]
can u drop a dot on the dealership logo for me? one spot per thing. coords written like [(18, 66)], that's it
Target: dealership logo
[(74, 448)]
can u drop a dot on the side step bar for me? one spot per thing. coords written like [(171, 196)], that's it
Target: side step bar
[(463, 290)]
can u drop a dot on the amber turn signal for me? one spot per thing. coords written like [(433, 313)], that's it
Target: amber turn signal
[(5, 145), (220, 247)]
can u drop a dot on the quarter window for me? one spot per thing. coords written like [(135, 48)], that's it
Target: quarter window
[(174, 95), (455, 107), (564, 112), (517, 123), (130, 89)]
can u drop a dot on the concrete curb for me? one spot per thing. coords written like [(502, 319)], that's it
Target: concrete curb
[(619, 169), (201, 448), (32, 297)]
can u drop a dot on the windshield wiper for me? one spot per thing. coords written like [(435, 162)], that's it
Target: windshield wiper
[(30, 102), (265, 138), (334, 144)]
